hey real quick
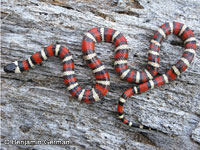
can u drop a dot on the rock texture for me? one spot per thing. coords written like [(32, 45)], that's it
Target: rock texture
[(36, 105)]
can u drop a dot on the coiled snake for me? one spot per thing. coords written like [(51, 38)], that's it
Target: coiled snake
[(146, 78)]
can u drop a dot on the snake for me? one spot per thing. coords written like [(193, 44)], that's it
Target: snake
[(189, 41), (145, 79)]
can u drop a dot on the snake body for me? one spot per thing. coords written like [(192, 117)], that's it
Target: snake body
[(146, 77), (187, 36)]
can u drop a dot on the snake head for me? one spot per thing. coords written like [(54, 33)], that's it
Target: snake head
[(10, 68)]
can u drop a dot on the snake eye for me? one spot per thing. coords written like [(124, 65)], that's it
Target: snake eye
[(10, 68)]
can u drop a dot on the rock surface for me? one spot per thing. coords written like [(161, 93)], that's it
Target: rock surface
[(36, 105)]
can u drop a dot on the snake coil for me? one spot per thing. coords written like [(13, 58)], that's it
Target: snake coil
[(146, 77)]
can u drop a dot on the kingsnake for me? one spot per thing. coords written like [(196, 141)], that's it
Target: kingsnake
[(145, 77)]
